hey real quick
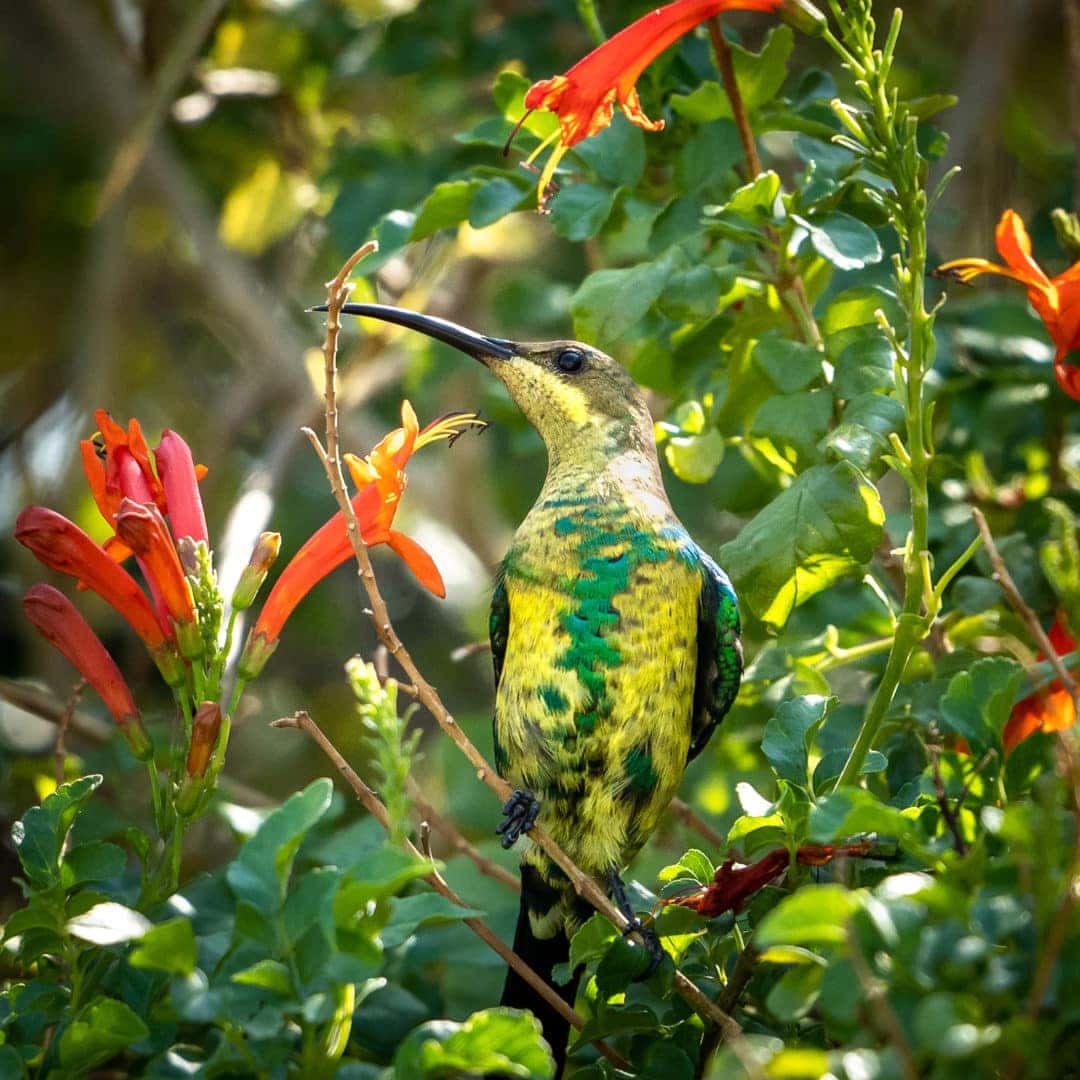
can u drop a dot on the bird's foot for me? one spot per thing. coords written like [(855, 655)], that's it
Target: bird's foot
[(647, 934), (519, 815)]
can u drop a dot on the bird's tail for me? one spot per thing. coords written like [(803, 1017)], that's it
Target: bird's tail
[(541, 954)]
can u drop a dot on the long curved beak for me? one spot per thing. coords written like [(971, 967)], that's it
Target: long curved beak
[(468, 341)]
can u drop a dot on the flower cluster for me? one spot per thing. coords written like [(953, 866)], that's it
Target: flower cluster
[(151, 502)]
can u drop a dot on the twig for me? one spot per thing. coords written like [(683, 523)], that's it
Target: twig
[(1021, 607), (886, 1020), (693, 820), (427, 695), (60, 749), (301, 721), (728, 1000), (486, 866), (801, 312), (947, 812)]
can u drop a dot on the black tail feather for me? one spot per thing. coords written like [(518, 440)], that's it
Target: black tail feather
[(541, 954)]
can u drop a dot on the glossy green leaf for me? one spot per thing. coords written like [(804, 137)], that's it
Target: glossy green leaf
[(424, 909), (798, 421), (109, 923), (169, 947), (815, 915), (862, 436), (796, 992), (791, 365), (616, 154), (824, 527), (787, 735), (495, 200), (447, 206), (99, 1032), (267, 974), (580, 210), (610, 303), (40, 833), (840, 239), (978, 702)]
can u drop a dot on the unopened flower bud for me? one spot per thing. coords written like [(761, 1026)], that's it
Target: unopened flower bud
[(251, 580), (188, 551), (257, 650), (204, 736)]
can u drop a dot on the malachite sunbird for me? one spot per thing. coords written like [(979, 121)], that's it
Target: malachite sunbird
[(615, 638)]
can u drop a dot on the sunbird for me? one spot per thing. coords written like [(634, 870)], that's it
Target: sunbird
[(615, 640)]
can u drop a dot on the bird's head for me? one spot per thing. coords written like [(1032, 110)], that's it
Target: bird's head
[(580, 400)]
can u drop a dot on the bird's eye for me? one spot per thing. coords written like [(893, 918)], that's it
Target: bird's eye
[(570, 361)]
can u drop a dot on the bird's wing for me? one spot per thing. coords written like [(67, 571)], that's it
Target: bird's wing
[(499, 626), (719, 654)]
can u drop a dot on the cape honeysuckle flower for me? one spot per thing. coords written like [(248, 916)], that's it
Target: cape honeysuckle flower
[(121, 467), (381, 480), (61, 545), (584, 98), (58, 621), (1048, 710), (1057, 300), (142, 528)]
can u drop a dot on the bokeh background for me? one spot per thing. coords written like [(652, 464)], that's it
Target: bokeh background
[(181, 177)]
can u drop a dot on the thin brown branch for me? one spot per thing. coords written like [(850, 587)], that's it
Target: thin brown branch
[(726, 65), (881, 1010), (790, 287), (693, 820), (948, 813), (728, 1001), (301, 721), (486, 866), (427, 695), (62, 725), (1023, 609)]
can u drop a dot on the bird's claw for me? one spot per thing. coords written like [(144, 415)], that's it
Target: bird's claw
[(519, 815)]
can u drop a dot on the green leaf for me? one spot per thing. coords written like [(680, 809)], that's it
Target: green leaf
[(796, 992), (858, 307), (978, 702), (759, 75), (610, 303), (92, 862), (815, 915), (692, 294), (497, 1042), (787, 735), (832, 764), (424, 909), (755, 201), (665, 1061), (616, 154), (798, 421), (169, 947), (620, 966), (853, 812), (265, 206), (790, 365), (840, 239), (694, 458), (109, 924), (41, 832), (311, 903), (495, 200), (824, 527), (447, 205), (99, 1032), (260, 871), (863, 359), (580, 210), (267, 974), (862, 436), (707, 156)]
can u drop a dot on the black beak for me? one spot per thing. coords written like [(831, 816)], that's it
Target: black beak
[(468, 341)]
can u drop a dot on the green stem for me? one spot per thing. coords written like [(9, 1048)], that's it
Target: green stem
[(587, 14), (838, 657)]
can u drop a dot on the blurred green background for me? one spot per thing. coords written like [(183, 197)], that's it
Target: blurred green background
[(181, 177)]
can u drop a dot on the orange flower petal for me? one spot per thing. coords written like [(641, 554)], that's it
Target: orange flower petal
[(1014, 246), (418, 561)]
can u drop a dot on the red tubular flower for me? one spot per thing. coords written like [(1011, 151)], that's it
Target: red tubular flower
[(584, 98), (61, 545), (66, 630), (1057, 300), (1048, 710), (381, 480), (180, 479), (204, 736), (143, 529)]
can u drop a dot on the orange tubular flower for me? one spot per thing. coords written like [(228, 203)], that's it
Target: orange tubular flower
[(67, 631), (1049, 710), (381, 481), (584, 98), (1057, 300), (143, 529)]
